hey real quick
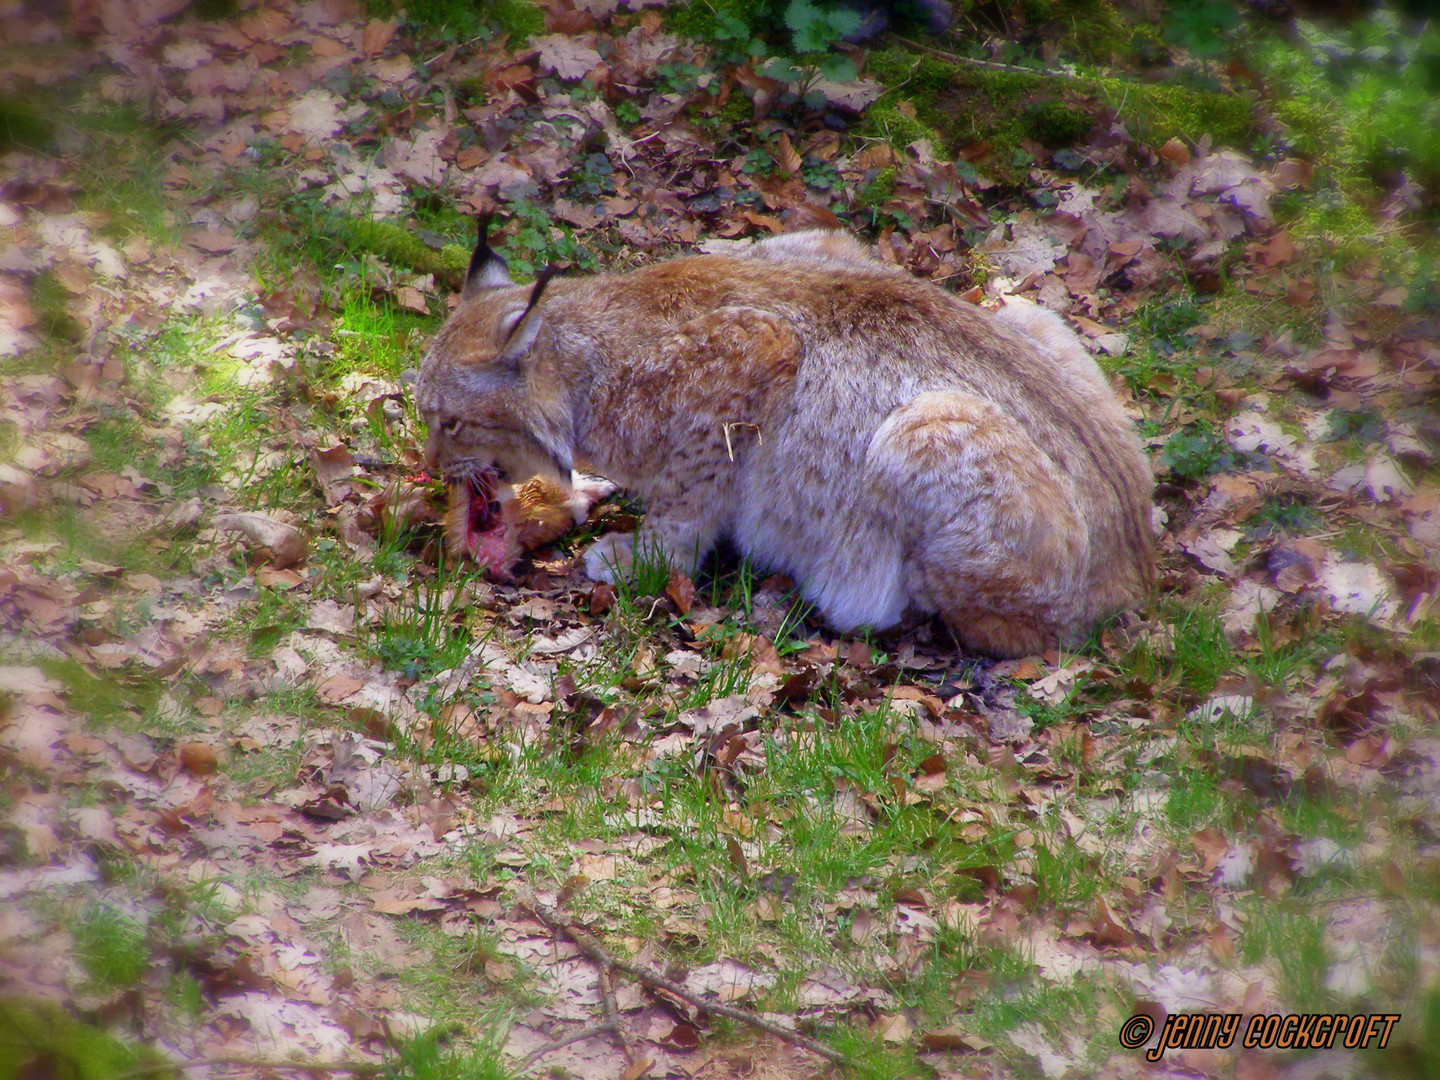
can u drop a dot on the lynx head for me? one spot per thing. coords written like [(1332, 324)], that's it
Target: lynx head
[(487, 396)]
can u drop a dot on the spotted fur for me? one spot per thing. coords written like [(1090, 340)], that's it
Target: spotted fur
[(888, 446)]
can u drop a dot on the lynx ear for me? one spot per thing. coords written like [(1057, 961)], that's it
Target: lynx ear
[(527, 327), (487, 270)]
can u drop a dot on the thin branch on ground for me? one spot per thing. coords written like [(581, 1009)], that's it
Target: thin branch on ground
[(612, 1018), (590, 945), (993, 65), (313, 1068), (594, 1031)]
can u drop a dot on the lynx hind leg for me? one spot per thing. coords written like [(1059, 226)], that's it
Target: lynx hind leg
[(996, 544)]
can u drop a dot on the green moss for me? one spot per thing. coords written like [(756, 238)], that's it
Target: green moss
[(1158, 113), (1056, 124), (22, 126), (395, 245), (1335, 220), (890, 121), (1309, 122), (1090, 29), (41, 1039), (518, 18), (52, 308), (985, 114), (470, 91), (737, 112), (719, 20), (1361, 97), (467, 18)]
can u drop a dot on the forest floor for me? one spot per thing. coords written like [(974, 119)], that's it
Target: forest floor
[(280, 785)]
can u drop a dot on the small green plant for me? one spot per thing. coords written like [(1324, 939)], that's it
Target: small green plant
[(1200, 26), (1364, 94), (1167, 321), (679, 77), (1194, 800), (1197, 451), (1296, 942), (431, 634), (1292, 515), (820, 174), (424, 1058), (594, 176), (750, 29), (759, 162), (1422, 290), (1359, 425), (540, 242)]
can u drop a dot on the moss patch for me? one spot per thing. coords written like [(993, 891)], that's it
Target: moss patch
[(396, 246), (985, 115), (22, 126), (41, 1039)]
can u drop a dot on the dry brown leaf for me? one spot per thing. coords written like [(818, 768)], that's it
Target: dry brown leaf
[(376, 35), (198, 758)]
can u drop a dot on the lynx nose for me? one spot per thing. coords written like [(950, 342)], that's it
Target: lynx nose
[(432, 449)]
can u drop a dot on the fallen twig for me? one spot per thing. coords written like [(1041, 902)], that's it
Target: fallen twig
[(314, 1068), (555, 1044), (638, 1066), (993, 65), (590, 945)]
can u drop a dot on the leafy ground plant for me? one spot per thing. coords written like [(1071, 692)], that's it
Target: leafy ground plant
[(284, 782)]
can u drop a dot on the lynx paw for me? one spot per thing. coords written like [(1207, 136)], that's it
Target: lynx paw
[(610, 557)]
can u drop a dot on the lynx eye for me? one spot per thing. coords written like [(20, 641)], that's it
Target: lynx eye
[(449, 425)]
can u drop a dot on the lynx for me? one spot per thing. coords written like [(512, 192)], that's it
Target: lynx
[(884, 443)]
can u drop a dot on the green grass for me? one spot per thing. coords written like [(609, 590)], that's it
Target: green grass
[(431, 633), (427, 1058), (113, 947), (38, 1036), (771, 857), (1295, 942)]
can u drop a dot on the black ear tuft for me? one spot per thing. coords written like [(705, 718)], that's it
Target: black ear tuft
[(523, 334), (538, 289), (487, 270), (481, 255)]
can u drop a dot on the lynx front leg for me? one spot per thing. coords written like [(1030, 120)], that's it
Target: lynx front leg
[(675, 545)]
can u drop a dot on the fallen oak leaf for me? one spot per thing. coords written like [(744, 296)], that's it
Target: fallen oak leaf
[(681, 590), (198, 758), (952, 1038), (376, 36)]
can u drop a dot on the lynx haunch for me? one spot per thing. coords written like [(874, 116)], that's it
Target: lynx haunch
[(885, 444)]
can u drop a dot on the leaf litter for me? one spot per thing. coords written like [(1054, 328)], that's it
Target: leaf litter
[(292, 796)]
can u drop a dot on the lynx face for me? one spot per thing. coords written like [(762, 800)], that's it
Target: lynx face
[(473, 398), (886, 445)]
